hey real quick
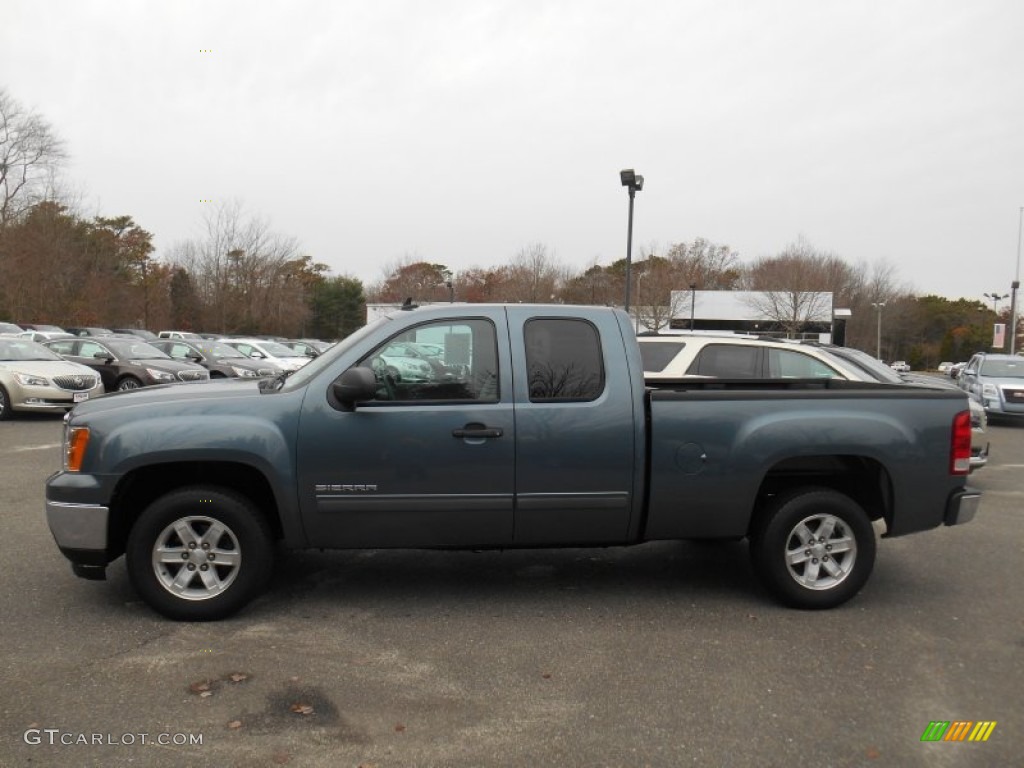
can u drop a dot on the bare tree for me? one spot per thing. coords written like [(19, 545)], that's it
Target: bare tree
[(534, 275), (413, 278), (30, 154), (704, 264), (798, 285), (655, 302), (595, 285), (242, 273)]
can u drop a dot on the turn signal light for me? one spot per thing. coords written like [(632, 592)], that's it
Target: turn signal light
[(74, 448)]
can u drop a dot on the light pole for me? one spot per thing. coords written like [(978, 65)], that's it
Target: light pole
[(995, 298), (1015, 285), (639, 300), (449, 283), (878, 338), (634, 182), (693, 302)]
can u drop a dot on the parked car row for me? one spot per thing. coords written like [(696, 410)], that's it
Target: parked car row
[(47, 368)]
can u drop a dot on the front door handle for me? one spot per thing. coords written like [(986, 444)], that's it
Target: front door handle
[(475, 429)]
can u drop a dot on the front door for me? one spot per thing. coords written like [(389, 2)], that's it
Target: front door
[(430, 461)]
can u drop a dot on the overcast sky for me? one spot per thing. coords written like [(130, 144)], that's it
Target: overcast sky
[(460, 132)]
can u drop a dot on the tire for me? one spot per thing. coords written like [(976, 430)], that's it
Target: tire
[(816, 571), (128, 382), (6, 411), (187, 582)]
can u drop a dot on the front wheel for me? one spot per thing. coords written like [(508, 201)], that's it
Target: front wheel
[(128, 382), (5, 405), (813, 548), (199, 554)]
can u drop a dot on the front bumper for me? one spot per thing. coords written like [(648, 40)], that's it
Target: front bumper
[(80, 531), (962, 506), (27, 398)]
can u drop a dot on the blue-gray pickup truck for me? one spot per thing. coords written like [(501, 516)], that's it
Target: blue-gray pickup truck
[(492, 426)]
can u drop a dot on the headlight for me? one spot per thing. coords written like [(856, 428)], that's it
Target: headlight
[(989, 390), (28, 380), (244, 373), (160, 375)]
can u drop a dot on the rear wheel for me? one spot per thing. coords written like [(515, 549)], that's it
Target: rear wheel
[(200, 554), (813, 548), (6, 412)]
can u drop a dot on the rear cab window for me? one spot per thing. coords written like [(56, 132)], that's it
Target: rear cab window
[(563, 360)]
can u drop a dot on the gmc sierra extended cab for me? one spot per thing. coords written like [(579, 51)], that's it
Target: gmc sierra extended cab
[(533, 427)]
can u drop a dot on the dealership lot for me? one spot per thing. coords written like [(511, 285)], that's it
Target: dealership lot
[(657, 655)]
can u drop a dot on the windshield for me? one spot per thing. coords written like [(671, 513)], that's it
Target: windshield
[(876, 369), (275, 349), (126, 349), (317, 364), (218, 350), (1003, 369), (23, 350)]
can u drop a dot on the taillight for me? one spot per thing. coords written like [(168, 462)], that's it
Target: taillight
[(74, 448), (960, 444)]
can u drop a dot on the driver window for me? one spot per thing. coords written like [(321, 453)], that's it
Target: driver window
[(443, 361), (90, 348)]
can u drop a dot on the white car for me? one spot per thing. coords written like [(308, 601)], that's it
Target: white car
[(35, 379), (900, 366), (272, 351), (735, 356), (400, 361)]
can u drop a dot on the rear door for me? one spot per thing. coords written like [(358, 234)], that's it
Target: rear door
[(576, 428)]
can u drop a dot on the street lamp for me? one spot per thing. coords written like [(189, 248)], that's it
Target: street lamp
[(995, 298), (878, 338), (1015, 285), (634, 182), (693, 301)]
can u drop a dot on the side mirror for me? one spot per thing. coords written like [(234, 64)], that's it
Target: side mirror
[(104, 356), (354, 385)]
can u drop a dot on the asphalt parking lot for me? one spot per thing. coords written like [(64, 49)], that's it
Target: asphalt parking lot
[(660, 655)]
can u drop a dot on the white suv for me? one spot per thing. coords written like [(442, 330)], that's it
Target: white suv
[(736, 356)]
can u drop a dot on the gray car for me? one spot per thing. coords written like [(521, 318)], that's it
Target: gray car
[(997, 382)]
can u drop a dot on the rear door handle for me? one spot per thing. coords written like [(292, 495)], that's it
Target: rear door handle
[(475, 429)]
